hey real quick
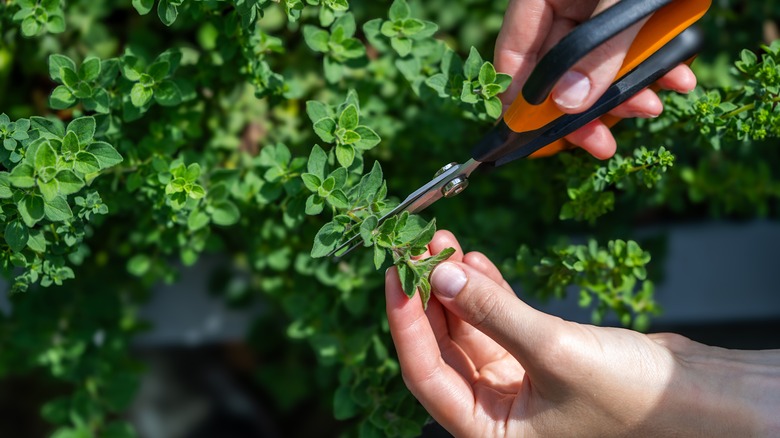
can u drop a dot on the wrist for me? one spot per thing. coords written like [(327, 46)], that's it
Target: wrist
[(729, 392)]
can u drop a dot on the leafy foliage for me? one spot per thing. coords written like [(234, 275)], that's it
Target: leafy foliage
[(138, 136)]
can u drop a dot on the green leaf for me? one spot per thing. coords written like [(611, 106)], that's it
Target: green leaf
[(143, 6), (402, 46), (409, 278), (167, 11), (503, 80), (84, 128), (350, 137), (371, 182), (70, 144), (347, 25), (487, 74), (344, 407), (399, 10), (56, 24), (49, 189), (316, 38), (31, 26), (197, 220), (338, 199), (90, 69), (317, 110), (5, 185), (468, 95), (70, 78), (140, 95), (22, 176), (139, 265), (325, 129), (69, 182), (473, 65), (326, 239), (493, 107), (367, 228), (58, 62), (50, 6), (45, 156), (31, 209), (105, 154), (167, 94), (379, 256), (345, 154), (349, 118), (36, 241), (48, 126), (131, 68), (16, 235), (57, 209), (412, 26), (333, 69), (159, 70), (61, 98), (225, 213), (317, 161), (311, 181), (368, 138), (86, 163), (314, 205)]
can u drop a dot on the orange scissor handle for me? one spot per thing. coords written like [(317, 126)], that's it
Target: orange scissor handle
[(665, 24)]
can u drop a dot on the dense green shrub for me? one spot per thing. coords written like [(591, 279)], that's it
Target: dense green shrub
[(138, 136)]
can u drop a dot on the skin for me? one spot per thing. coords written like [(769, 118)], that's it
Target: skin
[(532, 27), (485, 364)]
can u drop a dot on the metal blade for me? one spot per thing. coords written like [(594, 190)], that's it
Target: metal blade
[(419, 200)]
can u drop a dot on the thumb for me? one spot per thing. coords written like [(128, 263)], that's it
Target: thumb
[(494, 310), (579, 88)]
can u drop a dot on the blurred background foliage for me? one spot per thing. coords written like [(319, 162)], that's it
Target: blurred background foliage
[(320, 347)]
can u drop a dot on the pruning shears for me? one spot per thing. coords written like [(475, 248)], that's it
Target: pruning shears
[(533, 125)]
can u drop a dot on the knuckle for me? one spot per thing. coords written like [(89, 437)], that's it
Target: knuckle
[(484, 309), (671, 341)]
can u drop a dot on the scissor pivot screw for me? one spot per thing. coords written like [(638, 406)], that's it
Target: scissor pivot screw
[(445, 168), (455, 186)]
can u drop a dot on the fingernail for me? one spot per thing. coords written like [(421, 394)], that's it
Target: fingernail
[(448, 280), (572, 89)]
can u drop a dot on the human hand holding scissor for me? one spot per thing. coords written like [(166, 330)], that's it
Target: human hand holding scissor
[(532, 27)]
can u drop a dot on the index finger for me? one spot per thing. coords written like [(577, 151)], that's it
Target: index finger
[(531, 27), (443, 392)]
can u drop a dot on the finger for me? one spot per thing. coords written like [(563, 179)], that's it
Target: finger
[(480, 262), (680, 79), (440, 389), (579, 88), (475, 344), (444, 239), (495, 311), (644, 104), (524, 31), (479, 348), (595, 138), (529, 29)]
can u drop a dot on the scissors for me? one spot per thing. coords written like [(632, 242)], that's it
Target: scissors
[(534, 126)]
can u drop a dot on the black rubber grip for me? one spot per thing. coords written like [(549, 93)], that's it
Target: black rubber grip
[(583, 40)]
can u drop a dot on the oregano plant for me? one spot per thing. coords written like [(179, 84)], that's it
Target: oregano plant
[(139, 136)]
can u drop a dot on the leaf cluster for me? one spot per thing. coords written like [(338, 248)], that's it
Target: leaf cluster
[(38, 17), (591, 194), (609, 278)]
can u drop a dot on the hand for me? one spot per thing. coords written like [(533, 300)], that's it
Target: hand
[(483, 363), (532, 27)]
